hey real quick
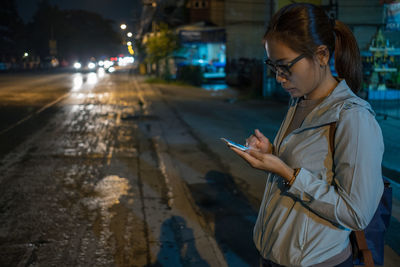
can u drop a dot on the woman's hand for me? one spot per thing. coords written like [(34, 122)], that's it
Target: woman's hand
[(265, 162), (259, 142)]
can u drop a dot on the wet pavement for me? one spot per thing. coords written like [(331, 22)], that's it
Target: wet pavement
[(96, 185), (105, 170)]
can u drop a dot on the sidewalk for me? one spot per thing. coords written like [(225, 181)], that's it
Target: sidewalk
[(224, 113)]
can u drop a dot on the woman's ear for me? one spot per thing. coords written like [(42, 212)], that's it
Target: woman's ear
[(322, 54)]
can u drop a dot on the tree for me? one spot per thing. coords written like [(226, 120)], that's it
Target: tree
[(79, 34), (11, 30), (88, 34), (160, 46), (45, 24)]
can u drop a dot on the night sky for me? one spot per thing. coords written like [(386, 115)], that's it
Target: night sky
[(118, 10)]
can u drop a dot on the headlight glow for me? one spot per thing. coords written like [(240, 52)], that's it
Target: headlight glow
[(108, 64)]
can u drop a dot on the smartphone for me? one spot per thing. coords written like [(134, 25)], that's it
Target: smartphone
[(231, 143)]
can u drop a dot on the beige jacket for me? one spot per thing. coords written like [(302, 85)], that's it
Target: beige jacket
[(310, 222)]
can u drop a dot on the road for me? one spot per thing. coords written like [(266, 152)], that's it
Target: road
[(106, 170)]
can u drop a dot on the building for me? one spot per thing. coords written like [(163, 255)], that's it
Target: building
[(245, 21)]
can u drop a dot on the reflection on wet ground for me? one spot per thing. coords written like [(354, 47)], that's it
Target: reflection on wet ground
[(99, 186), (216, 86), (60, 202), (77, 81), (107, 193), (92, 78)]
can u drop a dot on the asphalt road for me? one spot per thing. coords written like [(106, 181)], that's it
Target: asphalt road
[(89, 178), (105, 170)]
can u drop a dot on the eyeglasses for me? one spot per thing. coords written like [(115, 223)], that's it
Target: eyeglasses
[(283, 70)]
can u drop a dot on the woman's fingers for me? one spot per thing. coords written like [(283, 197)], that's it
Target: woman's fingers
[(256, 154), (256, 138), (239, 152), (264, 143), (253, 157), (248, 157), (251, 141), (266, 162), (260, 136)]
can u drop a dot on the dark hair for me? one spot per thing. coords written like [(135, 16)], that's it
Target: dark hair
[(303, 27)]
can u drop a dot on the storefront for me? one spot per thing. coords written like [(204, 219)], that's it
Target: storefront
[(204, 46), (381, 62)]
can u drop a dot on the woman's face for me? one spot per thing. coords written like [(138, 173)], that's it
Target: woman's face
[(305, 74)]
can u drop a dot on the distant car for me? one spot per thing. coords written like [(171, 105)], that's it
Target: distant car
[(87, 66), (77, 65), (107, 65)]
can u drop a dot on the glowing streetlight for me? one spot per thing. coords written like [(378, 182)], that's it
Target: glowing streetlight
[(129, 34), (123, 26), (129, 43), (26, 54)]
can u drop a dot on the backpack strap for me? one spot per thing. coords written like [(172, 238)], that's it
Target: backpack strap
[(332, 131), (363, 248), (361, 242)]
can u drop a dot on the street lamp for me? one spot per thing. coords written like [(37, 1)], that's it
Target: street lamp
[(123, 26), (129, 34), (129, 43)]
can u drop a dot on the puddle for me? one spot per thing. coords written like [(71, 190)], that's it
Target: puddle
[(77, 82), (108, 192), (92, 78)]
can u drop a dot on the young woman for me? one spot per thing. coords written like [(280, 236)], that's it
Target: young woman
[(315, 195)]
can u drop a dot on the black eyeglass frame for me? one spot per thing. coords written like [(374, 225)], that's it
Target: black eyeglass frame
[(283, 69)]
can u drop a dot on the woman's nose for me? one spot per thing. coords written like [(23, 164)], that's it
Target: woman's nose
[(279, 78)]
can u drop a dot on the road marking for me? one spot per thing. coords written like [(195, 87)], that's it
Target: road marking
[(163, 167), (35, 113), (142, 101), (109, 156), (118, 120)]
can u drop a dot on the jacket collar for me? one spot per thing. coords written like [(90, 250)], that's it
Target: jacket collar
[(329, 109)]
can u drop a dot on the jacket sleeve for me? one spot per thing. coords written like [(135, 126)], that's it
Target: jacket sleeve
[(352, 199)]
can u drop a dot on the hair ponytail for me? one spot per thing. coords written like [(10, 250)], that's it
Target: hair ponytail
[(347, 56)]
